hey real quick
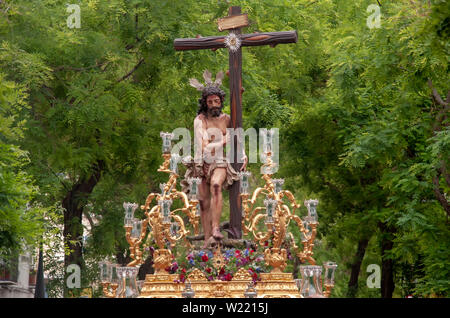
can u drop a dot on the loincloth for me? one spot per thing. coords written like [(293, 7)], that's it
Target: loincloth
[(205, 170)]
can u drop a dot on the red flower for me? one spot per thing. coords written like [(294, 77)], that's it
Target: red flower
[(252, 251), (205, 258), (222, 271), (266, 243), (183, 270), (208, 270), (238, 252), (182, 277), (228, 277)]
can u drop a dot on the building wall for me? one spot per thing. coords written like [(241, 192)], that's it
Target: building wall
[(19, 288)]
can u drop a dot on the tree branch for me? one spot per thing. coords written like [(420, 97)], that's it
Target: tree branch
[(440, 197), (87, 215), (56, 175), (436, 95), (131, 72), (78, 69), (443, 170)]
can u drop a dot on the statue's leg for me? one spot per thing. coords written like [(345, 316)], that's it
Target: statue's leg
[(217, 179), (205, 209)]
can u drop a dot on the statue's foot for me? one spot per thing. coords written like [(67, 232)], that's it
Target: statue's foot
[(209, 242), (217, 235)]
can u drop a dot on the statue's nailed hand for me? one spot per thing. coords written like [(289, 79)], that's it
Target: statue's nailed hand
[(244, 166)]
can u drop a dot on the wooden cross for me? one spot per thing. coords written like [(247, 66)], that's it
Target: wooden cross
[(234, 22)]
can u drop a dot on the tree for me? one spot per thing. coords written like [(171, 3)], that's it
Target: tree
[(20, 221)]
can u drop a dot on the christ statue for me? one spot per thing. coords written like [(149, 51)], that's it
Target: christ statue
[(210, 162)]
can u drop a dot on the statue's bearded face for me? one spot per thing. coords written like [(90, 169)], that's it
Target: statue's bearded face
[(214, 105)]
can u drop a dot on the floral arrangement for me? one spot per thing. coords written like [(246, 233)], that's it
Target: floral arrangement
[(233, 260)]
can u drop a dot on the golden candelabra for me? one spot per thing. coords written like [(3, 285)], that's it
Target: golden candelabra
[(277, 213), (160, 217), (277, 217)]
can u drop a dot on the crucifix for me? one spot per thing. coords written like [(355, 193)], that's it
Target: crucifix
[(234, 41)]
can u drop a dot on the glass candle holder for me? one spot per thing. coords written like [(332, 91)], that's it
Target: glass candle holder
[(137, 228), (174, 228), (105, 272), (310, 281), (129, 213), (311, 205), (193, 186), (114, 275), (244, 181), (268, 135), (188, 292), (174, 160), (278, 185), (330, 269), (270, 209), (166, 141), (140, 285), (127, 282), (165, 210)]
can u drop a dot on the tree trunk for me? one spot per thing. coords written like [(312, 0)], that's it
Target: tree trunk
[(356, 267), (387, 265), (73, 205)]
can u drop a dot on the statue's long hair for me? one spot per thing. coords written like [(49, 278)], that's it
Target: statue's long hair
[(208, 91)]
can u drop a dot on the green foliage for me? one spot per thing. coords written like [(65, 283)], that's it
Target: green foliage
[(19, 220), (359, 129)]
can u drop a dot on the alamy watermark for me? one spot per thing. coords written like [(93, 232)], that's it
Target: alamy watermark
[(374, 279), (74, 19), (73, 280), (220, 147), (374, 20)]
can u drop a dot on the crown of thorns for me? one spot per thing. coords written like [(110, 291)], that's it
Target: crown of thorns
[(208, 81)]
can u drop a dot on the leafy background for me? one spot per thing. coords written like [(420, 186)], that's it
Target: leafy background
[(361, 125)]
